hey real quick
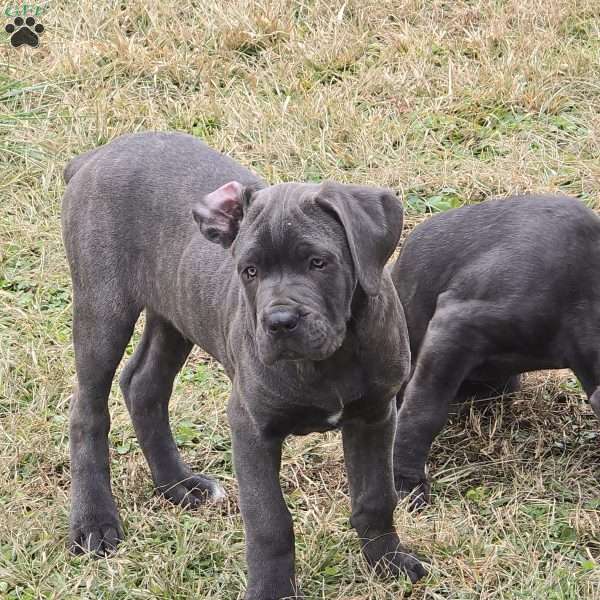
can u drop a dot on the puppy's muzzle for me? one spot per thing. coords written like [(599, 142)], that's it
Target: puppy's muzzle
[(279, 321)]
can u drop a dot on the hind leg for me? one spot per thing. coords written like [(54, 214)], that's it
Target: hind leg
[(101, 332), (595, 401), (442, 365), (423, 414), (147, 383), (590, 381)]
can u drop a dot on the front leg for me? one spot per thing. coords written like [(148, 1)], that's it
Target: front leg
[(267, 520), (368, 456)]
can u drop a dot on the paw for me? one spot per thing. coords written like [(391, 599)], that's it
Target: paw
[(400, 562), (285, 594), (252, 596), (387, 556), (24, 32), (418, 490), (98, 535), (193, 491)]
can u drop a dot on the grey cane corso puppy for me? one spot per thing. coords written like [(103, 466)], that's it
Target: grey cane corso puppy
[(491, 291), (300, 311)]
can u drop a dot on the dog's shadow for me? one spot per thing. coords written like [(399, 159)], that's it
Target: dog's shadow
[(495, 438)]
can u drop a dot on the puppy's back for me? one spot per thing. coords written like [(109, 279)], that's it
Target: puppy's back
[(127, 209), (499, 251)]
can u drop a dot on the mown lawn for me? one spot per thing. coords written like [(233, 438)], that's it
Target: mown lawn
[(447, 102)]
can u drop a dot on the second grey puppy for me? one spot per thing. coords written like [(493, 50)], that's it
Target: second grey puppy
[(491, 291)]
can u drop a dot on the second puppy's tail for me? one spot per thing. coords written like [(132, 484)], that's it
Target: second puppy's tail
[(78, 162)]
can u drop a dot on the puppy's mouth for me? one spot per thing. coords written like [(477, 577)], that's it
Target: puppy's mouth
[(271, 356), (313, 340), (288, 354)]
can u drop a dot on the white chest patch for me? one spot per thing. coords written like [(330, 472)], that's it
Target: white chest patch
[(334, 419)]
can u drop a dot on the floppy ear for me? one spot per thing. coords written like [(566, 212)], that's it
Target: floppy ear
[(219, 213), (372, 218)]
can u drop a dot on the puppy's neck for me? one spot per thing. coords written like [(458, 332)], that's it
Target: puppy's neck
[(376, 320), (359, 304)]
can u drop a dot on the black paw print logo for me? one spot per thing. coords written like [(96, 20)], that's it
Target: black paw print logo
[(24, 32)]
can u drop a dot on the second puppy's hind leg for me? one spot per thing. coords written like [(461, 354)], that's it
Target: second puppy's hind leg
[(441, 367), (590, 381)]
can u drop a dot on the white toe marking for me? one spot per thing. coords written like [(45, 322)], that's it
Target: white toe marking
[(334, 419), (217, 493)]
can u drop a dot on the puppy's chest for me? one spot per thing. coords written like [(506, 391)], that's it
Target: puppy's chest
[(302, 420), (325, 406)]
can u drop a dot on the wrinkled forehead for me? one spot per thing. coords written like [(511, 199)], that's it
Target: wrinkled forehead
[(286, 215)]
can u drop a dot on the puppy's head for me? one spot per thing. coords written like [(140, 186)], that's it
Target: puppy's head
[(301, 250)]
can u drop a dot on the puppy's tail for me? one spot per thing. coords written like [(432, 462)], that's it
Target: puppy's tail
[(78, 162)]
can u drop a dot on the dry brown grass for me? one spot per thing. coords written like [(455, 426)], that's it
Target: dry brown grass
[(447, 102)]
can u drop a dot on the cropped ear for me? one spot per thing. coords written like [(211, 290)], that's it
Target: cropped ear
[(219, 213), (372, 219)]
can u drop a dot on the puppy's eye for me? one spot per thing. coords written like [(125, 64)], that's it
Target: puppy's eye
[(212, 234), (317, 263), (249, 272)]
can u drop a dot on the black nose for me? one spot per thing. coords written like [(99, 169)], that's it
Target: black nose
[(281, 320)]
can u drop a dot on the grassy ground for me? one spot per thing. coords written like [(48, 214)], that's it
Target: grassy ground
[(445, 101)]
